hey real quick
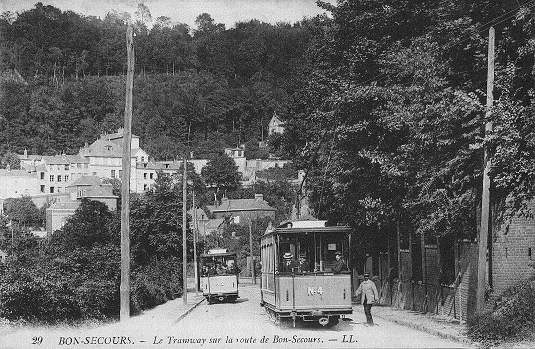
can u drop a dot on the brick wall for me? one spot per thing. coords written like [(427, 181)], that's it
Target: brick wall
[(512, 244)]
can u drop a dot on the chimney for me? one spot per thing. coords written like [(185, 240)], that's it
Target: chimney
[(191, 155), (259, 197), (25, 153)]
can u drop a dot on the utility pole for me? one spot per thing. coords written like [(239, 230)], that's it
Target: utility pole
[(195, 243), (184, 240), (485, 196), (253, 277), (125, 188), (398, 239)]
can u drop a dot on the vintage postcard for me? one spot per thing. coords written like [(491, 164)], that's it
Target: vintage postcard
[(267, 174)]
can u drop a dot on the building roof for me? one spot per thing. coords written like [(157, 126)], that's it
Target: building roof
[(103, 148), (86, 181), (275, 121), (31, 157), (64, 159), (65, 205), (15, 173), (118, 134), (213, 224), (232, 205)]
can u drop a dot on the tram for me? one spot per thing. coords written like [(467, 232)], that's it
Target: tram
[(301, 278), (219, 276)]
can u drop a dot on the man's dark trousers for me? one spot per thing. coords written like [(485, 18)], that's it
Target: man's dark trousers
[(368, 311)]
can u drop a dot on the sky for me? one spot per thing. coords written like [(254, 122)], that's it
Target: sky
[(185, 11)]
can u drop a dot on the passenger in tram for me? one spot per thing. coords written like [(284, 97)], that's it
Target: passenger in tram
[(221, 269), (340, 264), (231, 266), (304, 266), (288, 264)]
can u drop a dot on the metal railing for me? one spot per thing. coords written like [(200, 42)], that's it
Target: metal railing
[(439, 299)]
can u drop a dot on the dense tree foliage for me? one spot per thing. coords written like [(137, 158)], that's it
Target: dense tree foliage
[(23, 211), (389, 127), (221, 173), (75, 274), (212, 87)]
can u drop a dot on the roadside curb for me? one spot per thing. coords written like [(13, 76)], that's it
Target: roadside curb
[(425, 329), (189, 310)]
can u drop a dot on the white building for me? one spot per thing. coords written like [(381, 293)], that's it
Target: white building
[(275, 125), (52, 175), (17, 183)]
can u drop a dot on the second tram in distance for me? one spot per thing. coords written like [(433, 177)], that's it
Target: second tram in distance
[(219, 275), (301, 275)]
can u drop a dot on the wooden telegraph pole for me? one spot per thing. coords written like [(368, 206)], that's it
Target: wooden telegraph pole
[(125, 188), (485, 196), (253, 277), (195, 244), (184, 240)]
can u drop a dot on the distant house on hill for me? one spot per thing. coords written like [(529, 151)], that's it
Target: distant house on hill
[(275, 125), (12, 75), (3, 256), (243, 210)]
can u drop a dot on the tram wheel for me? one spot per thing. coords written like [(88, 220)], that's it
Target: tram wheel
[(333, 321)]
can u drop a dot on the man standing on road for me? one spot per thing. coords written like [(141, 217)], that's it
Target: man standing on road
[(369, 296)]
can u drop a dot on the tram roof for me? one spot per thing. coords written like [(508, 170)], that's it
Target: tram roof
[(308, 227), (218, 254)]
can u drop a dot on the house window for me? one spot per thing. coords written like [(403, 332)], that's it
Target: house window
[(42, 175), (112, 173), (67, 167), (66, 178), (51, 189), (94, 173), (42, 189), (142, 159), (59, 178), (144, 187), (60, 189), (79, 165), (145, 175), (52, 178), (120, 173), (166, 165), (151, 175)]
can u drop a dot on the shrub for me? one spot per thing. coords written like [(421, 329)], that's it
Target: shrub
[(80, 285), (156, 283), (513, 314)]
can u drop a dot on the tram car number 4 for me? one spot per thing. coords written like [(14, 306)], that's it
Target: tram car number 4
[(312, 291)]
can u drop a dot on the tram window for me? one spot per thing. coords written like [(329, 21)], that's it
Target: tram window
[(310, 252), (219, 265)]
